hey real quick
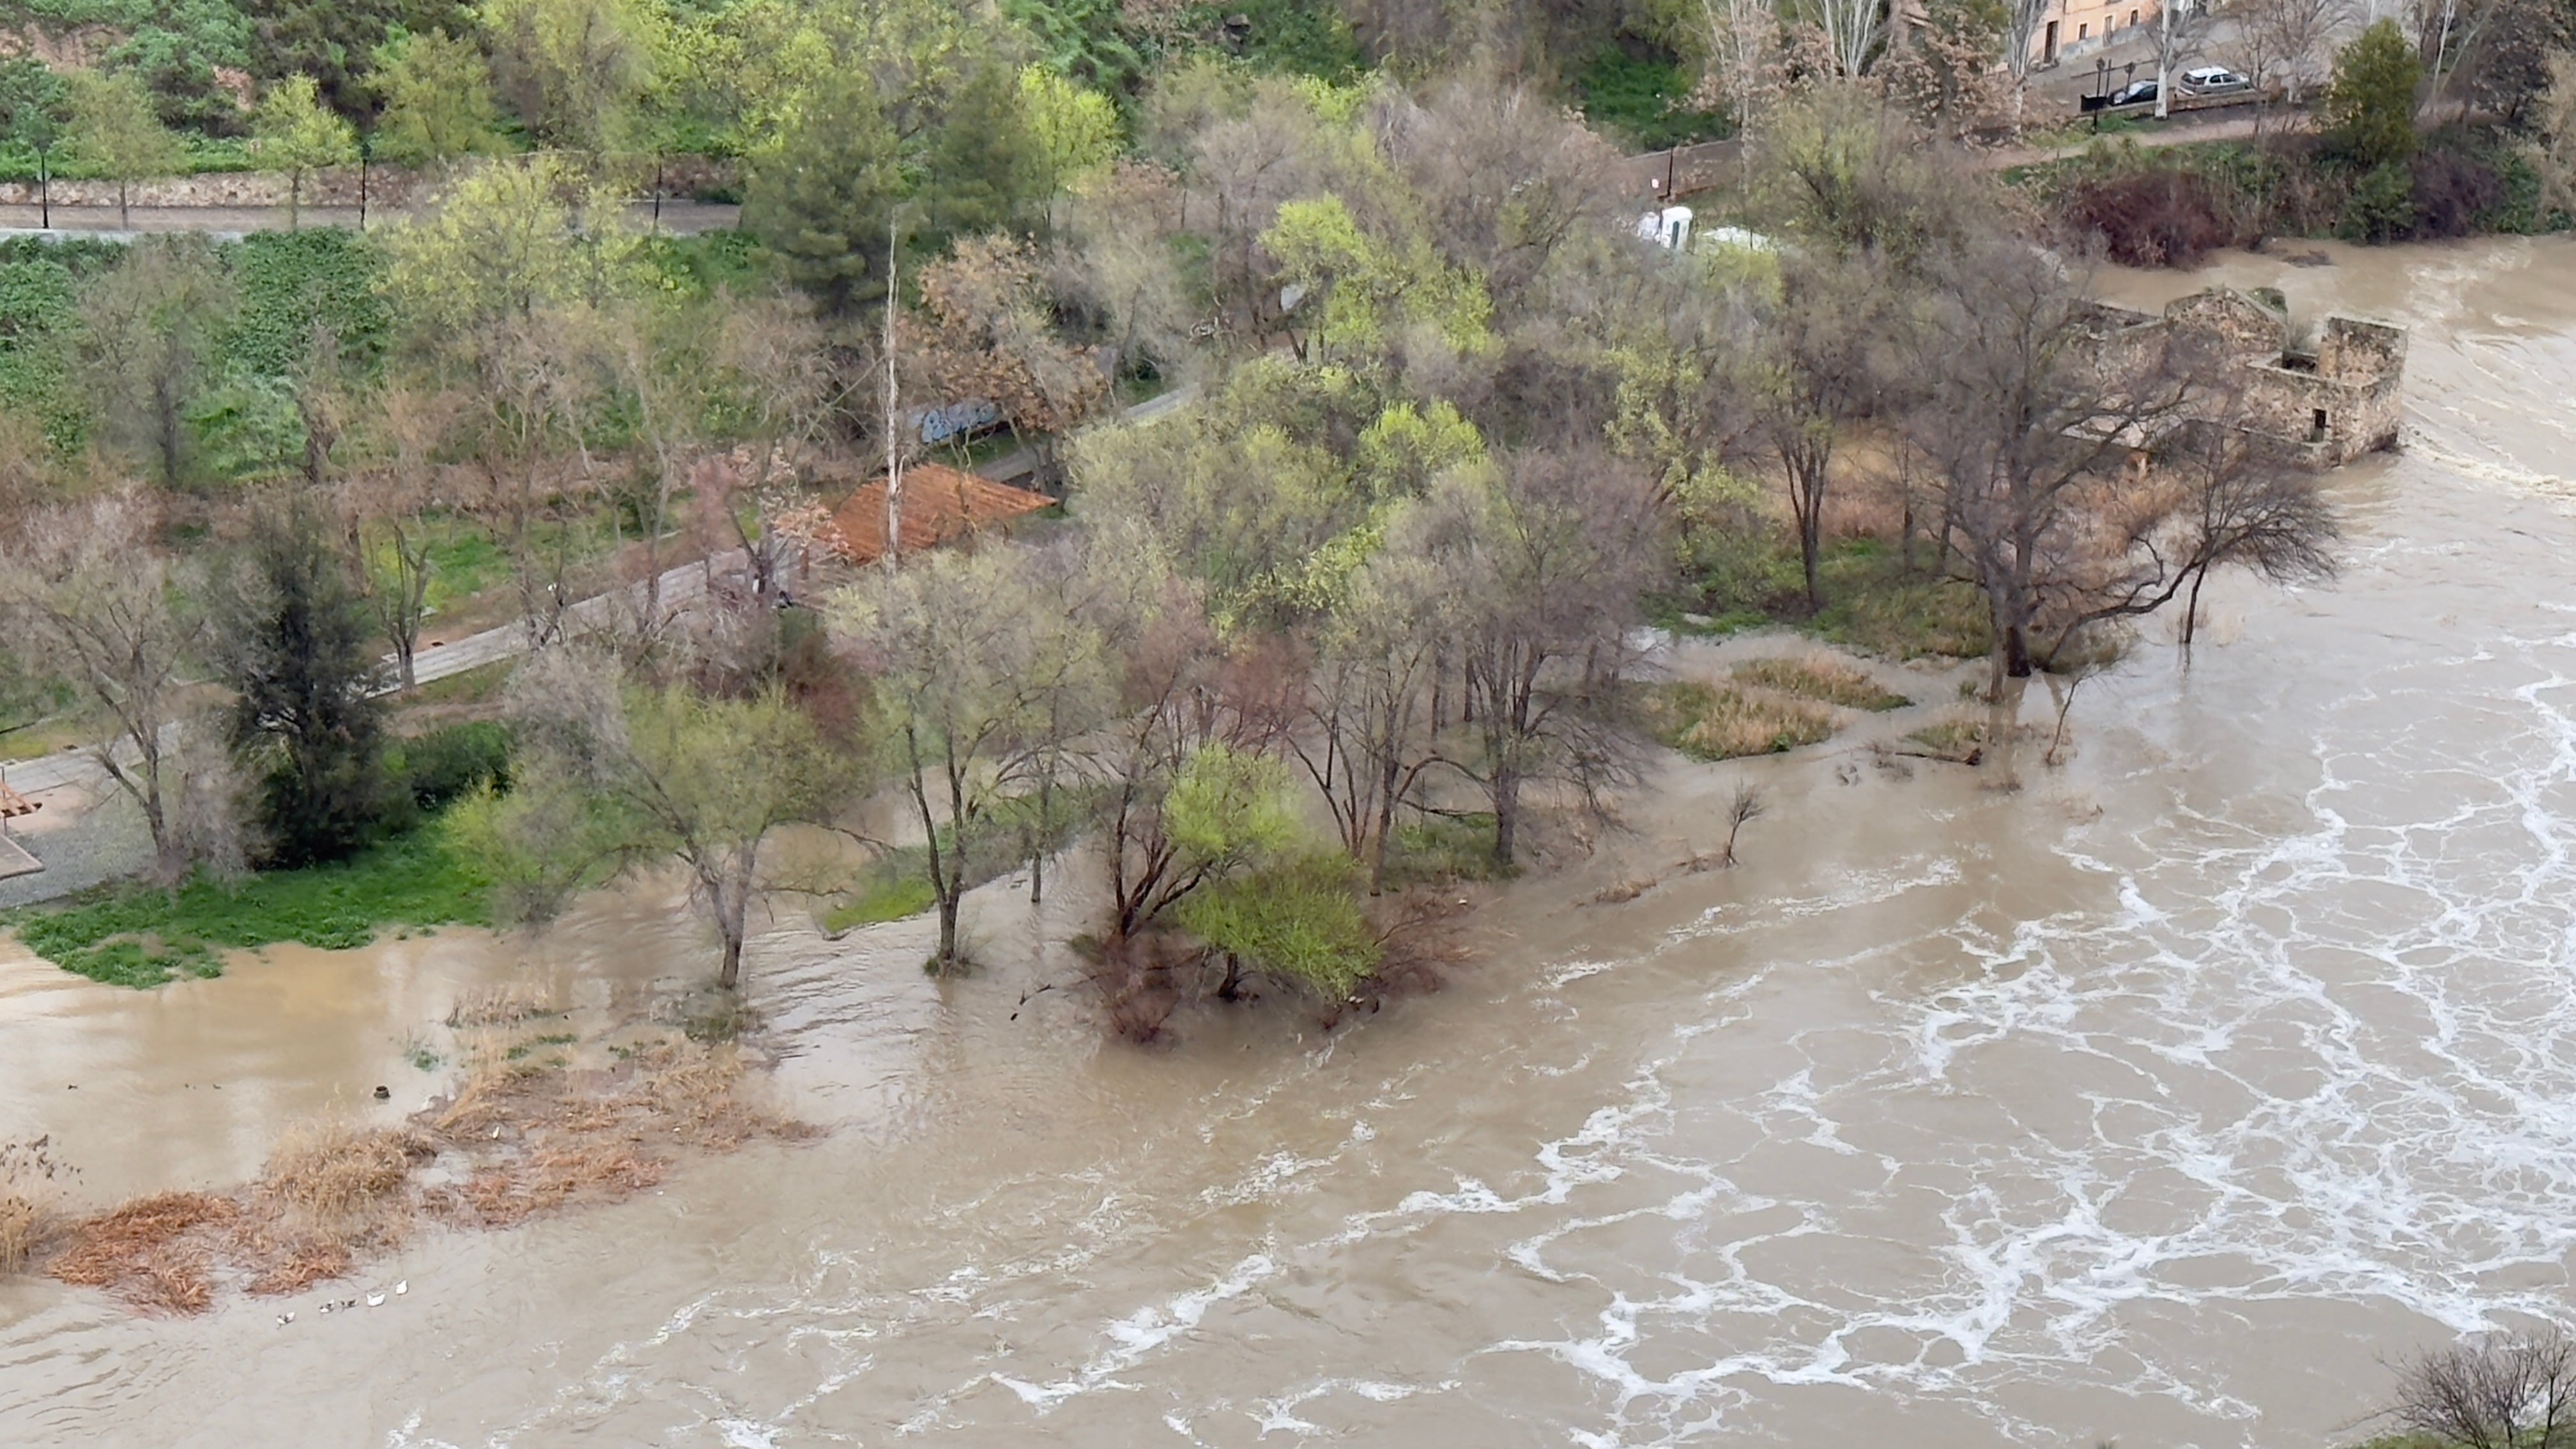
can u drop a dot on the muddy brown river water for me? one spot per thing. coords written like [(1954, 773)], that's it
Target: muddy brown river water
[(2163, 1099)]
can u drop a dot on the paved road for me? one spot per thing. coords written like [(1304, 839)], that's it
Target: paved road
[(680, 218)]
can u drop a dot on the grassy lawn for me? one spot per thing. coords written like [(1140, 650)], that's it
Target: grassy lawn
[(133, 935), (1873, 603)]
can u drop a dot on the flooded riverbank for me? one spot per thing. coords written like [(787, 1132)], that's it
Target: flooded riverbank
[(2161, 1099)]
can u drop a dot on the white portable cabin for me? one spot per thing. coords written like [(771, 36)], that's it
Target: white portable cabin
[(1668, 228)]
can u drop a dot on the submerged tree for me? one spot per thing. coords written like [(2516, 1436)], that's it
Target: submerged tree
[(981, 676), (611, 779)]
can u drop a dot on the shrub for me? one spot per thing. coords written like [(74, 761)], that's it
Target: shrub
[(446, 765), (2158, 217), (2381, 205), (2451, 193), (1297, 921)]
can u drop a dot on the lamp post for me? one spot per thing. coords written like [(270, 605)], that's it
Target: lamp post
[(44, 188), (366, 148)]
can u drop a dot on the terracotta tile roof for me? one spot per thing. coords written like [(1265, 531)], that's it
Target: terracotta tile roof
[(940, 504)]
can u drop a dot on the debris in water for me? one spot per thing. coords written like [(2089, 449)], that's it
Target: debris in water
[(375, 1300), (402, 1287), (384, 1094), (284, 1319)]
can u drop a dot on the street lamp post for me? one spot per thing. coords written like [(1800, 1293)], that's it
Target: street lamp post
[(44, 188), (366, 147)]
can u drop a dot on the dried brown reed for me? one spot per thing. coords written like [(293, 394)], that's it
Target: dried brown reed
[(524, 1139), (1711, 722), (1820, 677), (506, 1004), (153, 1252)]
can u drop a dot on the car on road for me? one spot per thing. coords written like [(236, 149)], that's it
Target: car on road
[(2213, 80), (2137, 93)]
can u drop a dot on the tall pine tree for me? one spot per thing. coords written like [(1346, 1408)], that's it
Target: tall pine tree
[(821, 202), (294, 642)]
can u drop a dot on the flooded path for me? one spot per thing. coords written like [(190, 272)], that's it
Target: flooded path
[(2162, 1099)]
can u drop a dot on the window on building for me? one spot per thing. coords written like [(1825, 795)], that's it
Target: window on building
[(2133, 19), (2084, 32)]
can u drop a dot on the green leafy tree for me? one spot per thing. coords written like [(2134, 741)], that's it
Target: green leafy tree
[(438, 100), (822, 198), (295, 643), (335, 41), (2370, 106), (1297, 920), (1076, 129), (1086, 40), (575, 70), (612, 779), (33, 102), (508, 239), (293, 132), (984, 168), (116, 132)]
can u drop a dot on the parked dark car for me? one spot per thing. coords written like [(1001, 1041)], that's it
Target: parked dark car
[(2137, 93)]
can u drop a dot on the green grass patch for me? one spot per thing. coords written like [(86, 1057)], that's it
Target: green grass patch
[(135, 935), (1644, 100), (896, 886), (1956, 739), (1439, 849)]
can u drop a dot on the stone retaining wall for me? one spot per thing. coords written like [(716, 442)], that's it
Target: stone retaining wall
[(386, 186)]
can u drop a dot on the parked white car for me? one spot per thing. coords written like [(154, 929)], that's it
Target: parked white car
[(2210, 80)]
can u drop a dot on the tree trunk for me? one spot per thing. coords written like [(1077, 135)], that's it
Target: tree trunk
[(2016, 652), (729, 926), (294, 199), (1507, 814), (124, 213), (947, 959), (2191, 612)]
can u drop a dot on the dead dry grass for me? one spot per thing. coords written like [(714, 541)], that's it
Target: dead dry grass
[(1823, 678), (1718, 722), (507, 1004), (516, 1141), (28, 1174)]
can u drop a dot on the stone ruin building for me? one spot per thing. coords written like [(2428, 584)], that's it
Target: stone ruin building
[(2329, 404)]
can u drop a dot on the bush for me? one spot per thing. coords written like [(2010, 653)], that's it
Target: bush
[(446, 765), (2159, 217), (1298, 921), (2452, 194), (1644, 101), (2381, 206)]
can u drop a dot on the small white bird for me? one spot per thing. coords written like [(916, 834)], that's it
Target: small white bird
[(375, 1300), (402, 1287), (326, 1308), (284, 1319)]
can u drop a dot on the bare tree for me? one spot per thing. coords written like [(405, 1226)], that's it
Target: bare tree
[(390, 512), (148, 345), (1854, 31), (2281, 42), (2182, 28), (981, 671), (1744, 807), (1371, 735), (778, 381), (537, 393), (2026, 416), (2217, 495), (1812, 372), (90, 594), (1547, 556), (2513, 1392)]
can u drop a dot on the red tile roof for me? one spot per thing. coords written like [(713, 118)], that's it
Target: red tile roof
[(940, 505)]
